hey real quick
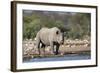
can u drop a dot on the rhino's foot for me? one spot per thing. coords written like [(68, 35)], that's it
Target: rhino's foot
[(56, 53)]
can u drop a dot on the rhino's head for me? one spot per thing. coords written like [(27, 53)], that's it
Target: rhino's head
[(58, 37)]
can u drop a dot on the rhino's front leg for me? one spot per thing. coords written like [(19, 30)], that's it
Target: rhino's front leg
[(57, 49)]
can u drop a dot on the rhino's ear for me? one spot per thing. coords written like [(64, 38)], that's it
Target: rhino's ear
[(57, 32)]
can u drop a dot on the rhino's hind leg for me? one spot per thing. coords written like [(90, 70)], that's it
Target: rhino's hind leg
[(43, 48), (38, 45), (52, 48)]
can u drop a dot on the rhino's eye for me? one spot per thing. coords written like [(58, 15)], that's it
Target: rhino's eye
[(57, 32)]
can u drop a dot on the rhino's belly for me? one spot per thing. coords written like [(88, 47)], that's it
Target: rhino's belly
[(45, 41)]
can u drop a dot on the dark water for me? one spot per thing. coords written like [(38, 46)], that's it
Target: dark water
[(63, 58)]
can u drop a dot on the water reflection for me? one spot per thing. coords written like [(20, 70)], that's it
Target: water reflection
[(62, 58)]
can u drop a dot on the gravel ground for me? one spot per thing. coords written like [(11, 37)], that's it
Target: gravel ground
[(70, 46)]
